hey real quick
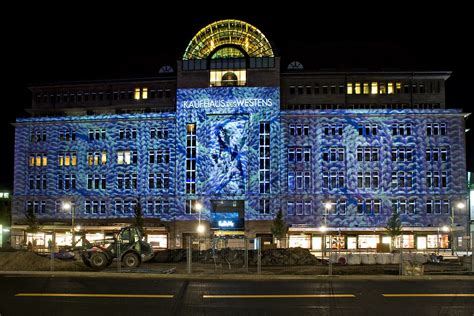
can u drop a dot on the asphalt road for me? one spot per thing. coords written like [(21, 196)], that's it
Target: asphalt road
[(41, 295)]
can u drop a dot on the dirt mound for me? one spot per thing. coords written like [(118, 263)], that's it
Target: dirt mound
[(29, 261), (270, 257)]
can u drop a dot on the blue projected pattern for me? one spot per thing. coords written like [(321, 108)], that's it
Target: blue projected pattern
[(227, 126)]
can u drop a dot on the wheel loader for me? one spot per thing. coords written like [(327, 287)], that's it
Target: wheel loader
[(127, 246)]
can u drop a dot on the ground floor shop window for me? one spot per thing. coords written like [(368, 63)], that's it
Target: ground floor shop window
[(158, 240), (352, 243), (95, 237), (316, 242), (335, 242), (405, 241), (300, 241), (432, 241), (421, 242), (368, 241)]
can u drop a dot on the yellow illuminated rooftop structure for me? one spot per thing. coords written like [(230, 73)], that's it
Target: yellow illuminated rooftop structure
[(228, 39)]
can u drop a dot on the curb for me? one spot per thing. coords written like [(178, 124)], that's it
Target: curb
[(237, 277)]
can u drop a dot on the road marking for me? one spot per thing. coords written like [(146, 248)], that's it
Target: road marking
[(94, 295), (428, 295), (279, 296)]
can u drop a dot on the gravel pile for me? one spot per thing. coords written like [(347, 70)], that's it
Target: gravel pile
[(29, 261)]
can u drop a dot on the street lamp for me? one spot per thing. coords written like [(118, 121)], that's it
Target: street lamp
[(443, 229), (66, 206), (460, 206), (200, 228), (324, 228)]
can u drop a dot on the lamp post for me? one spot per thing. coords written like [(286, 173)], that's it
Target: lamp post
[(66, 206), (324, 228), (460, 206), (200, 228)]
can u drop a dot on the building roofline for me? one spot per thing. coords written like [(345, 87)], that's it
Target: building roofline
[(445, 74), (52, 84)]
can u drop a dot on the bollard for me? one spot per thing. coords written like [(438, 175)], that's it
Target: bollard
[(119, 260), (246, 254), (259, 255), (189, 255)]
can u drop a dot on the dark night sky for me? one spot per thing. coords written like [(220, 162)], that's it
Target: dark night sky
[(131, 40)]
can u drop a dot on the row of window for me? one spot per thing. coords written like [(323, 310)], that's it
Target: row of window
[(360, 106), (99, 158), (335, 179), (294, 207), (366, 154), (373, 87), (139, 93), (37, 136), (432, 129)]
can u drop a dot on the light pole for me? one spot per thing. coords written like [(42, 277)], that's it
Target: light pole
[(324, 228), (460, 206), (66, 206), (200, 228)]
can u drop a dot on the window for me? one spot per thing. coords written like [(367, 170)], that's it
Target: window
[(191, 158), (97, 134), (367, 154), (299, 154), (264, 206), (159, 133), (390, 88), (368, 130), (401, 129), (436, 129), (435, 179), (158, 181), (128, 133), (38, 182), (333, 179), (127, 181), (402, 154), (368, 180), (96, 181), (374, 88), (265, 157), (94, 207), (66, 182), (349, 88), (438, 207), (299, 180), (140, 94), (333, 154), (127, 157), (157, 207), (402, 180), (157, 156), (299, 207), (66, 159), (357, 88), (366, 89), (67, 135), (292, 89), (37, 136), (38, 160), (402, 206), (191, 206), (96, 158), (37, 207), (333, 129), (436, 154)]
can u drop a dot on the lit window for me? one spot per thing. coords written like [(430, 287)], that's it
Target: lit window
[(390, 88), (374, 88), (349, 88), (145, 93), (366, 88), (137, 94), (398, 86), (357, 88)]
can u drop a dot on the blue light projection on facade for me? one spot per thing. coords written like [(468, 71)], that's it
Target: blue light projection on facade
[(410, 160)]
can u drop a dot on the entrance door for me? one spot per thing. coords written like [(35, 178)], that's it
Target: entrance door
[(194, 241)]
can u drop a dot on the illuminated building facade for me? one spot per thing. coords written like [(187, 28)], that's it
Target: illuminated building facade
[(232, 132)]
